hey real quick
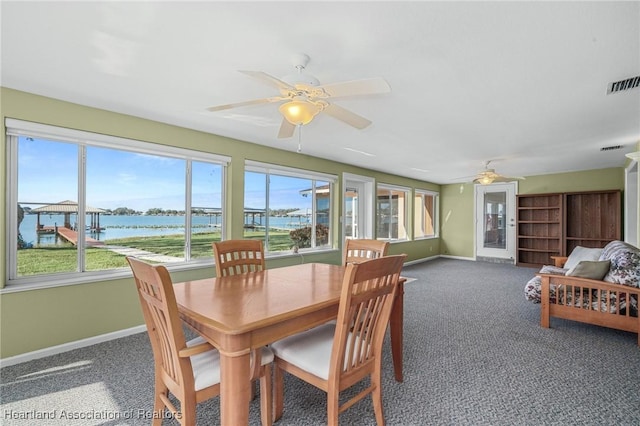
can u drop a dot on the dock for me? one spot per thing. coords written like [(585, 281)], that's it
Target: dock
[(71, 236)]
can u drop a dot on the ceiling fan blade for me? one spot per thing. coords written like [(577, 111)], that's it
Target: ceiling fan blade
[(245, 103), (269, 79), (346, 116), (286, 129), (464, 178), (369, 86), (507, 179)]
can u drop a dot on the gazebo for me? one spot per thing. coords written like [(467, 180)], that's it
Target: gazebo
[(67, 208), (253, 213), (306, 213)]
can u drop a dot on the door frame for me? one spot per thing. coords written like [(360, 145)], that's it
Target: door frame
[(631, 203), (509, 253), (366, 186)]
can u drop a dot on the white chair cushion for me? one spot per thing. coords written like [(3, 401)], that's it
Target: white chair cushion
[(206, 365), (309, 350), (582, 253)]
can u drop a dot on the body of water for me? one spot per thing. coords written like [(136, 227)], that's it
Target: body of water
[(139, 226)]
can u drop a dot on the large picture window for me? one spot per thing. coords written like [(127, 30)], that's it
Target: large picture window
[(289, 209), (391, 212), (425, 214), (82, 202)]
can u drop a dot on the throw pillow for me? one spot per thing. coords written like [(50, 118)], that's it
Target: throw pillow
[(593, 269), (582, 253), (625, 269)]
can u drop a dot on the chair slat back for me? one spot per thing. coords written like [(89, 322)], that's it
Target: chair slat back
[(160, 310), (234, 257), (367, 297), (356, 251)]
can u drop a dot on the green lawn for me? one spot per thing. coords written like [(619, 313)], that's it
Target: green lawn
[(48, 260)]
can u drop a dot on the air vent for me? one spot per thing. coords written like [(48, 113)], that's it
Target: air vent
[(610, 148), (622, 85)]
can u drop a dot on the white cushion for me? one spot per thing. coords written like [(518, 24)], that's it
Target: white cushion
[(309, 350), (206, 365), (582, 253)]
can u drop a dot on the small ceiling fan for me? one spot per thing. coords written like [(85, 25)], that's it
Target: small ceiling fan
[(489, 176), (305, 97)]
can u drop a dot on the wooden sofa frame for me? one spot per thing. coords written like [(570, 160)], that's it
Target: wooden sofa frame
[(584, 287)]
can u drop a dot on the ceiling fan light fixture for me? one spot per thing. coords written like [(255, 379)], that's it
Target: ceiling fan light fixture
[(485, 180), (299, 112)]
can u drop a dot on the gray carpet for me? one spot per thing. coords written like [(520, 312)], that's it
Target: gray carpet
[(474, 355)]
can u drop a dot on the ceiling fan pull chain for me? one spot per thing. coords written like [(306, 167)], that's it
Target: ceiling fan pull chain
[(299, 138)]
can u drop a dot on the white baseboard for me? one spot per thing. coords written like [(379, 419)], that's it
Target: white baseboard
[(424, 259), (457, 257), (65, 347)]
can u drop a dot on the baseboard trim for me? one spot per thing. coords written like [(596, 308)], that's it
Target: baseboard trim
[(424, 259), (65, 347), (500, 260), (447, 256)]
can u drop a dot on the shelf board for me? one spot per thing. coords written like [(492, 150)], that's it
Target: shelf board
[(540, 250), (534, 237), (590, 239), (538, 207), (556, 222)]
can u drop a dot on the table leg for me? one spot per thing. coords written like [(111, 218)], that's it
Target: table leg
[(396, 330), (235, 392)]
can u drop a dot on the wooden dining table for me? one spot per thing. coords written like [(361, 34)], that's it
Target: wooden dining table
[(240, 313)]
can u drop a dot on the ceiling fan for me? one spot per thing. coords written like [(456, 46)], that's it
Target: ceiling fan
[(489, 176), (305, 97)]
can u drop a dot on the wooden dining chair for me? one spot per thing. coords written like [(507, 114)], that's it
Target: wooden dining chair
[(234, 257), (356, 251), (190, 371), (334, 357)]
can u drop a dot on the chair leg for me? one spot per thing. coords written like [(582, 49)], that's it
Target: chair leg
[(158, 404), (188, 415), (278, 392), (266, 400), (188, 411), (333, 408), (376, 396)]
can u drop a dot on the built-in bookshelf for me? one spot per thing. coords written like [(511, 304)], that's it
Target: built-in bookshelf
[(554, 224), (539, 226)]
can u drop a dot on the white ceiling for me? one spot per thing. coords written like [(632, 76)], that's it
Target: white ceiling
[(521, 83)]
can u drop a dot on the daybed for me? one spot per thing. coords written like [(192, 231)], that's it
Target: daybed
[(595, 286)]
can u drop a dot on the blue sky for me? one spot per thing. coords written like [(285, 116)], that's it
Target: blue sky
[(48, 173)]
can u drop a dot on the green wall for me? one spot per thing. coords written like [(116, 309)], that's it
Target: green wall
[(457, 212), (37, 319), (456, 220), (591, 180)]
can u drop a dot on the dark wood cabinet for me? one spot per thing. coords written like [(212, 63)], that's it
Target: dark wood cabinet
[(554, 224)]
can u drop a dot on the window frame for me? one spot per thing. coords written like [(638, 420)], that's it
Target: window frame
[(436, 213), (407, 208), (16, 128), (275, 169)]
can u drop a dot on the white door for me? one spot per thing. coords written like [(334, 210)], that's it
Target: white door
[(357, 207), (496, 220)]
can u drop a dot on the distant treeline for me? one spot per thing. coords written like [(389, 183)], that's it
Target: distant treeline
[(125, 211)]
